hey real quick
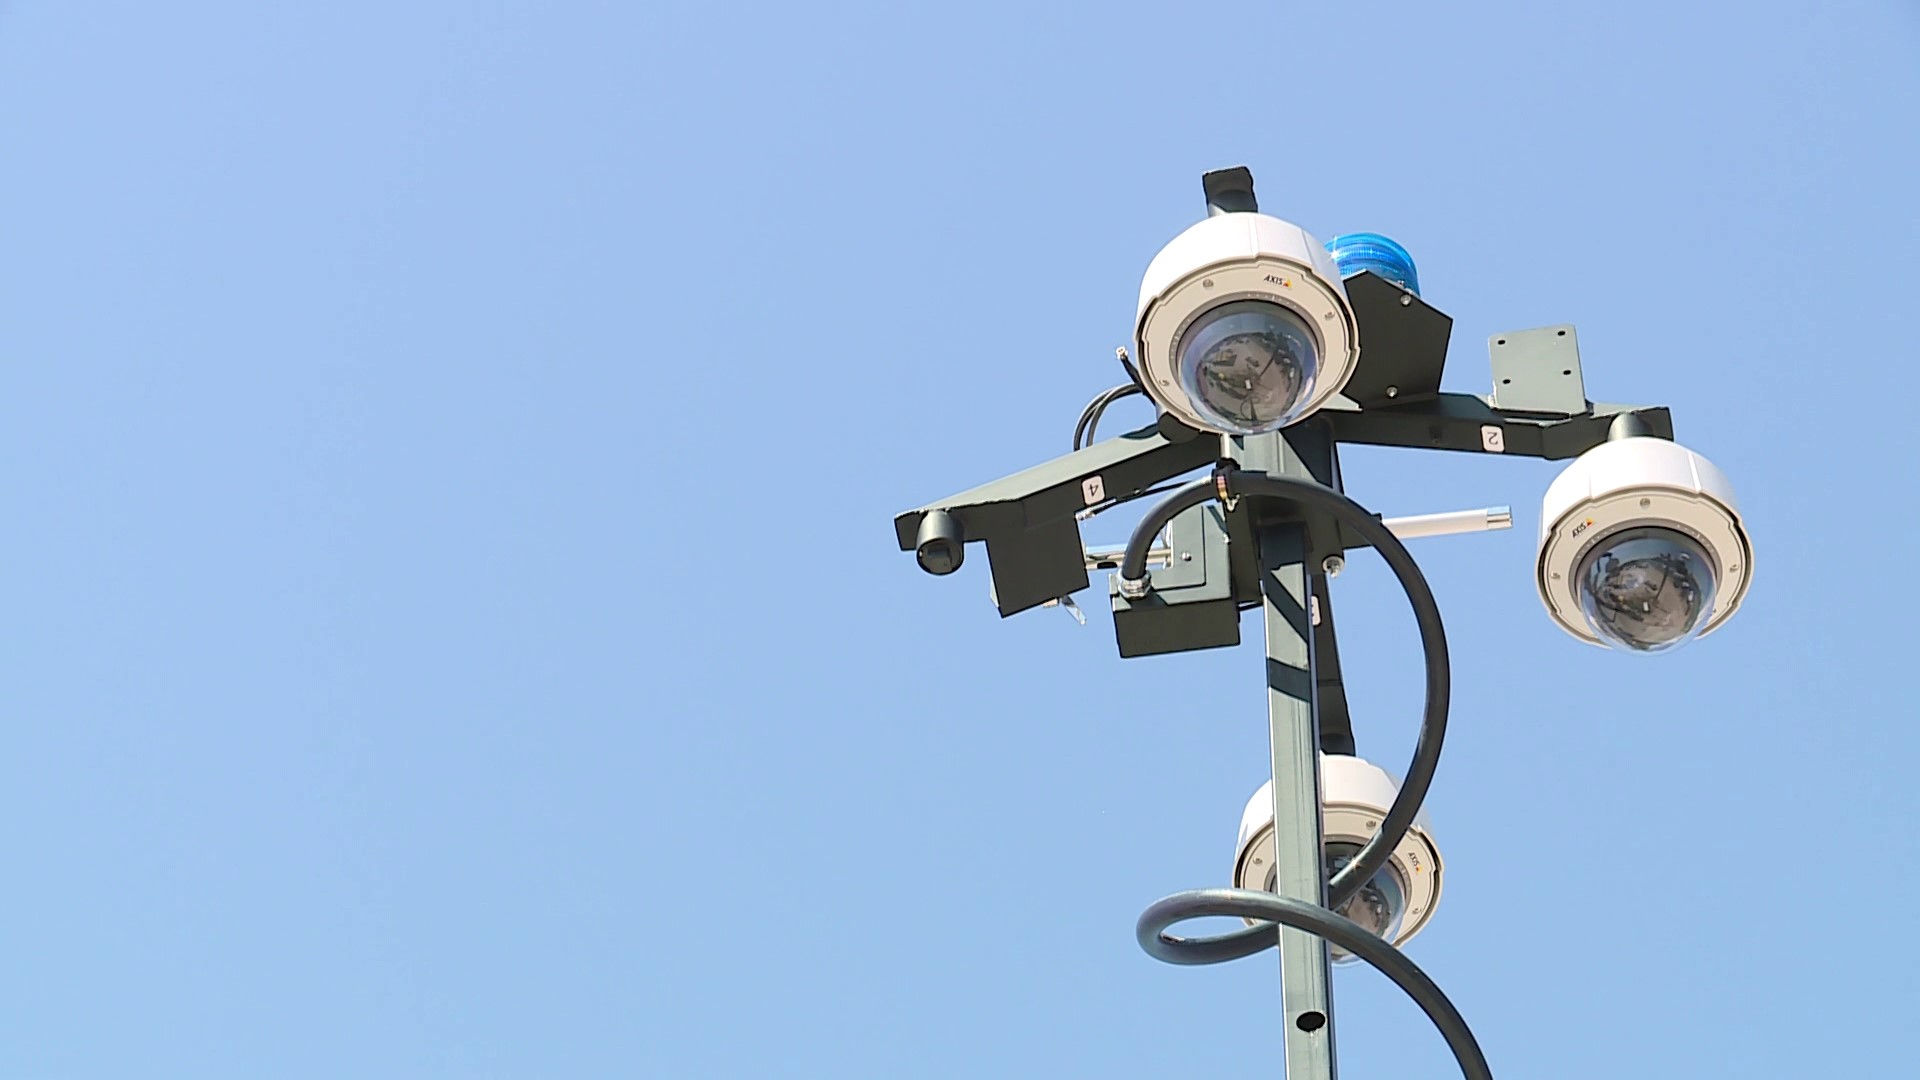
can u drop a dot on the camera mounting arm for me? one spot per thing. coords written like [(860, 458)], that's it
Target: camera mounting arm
[(1477, 424), (1028, 521), (1538, 409)]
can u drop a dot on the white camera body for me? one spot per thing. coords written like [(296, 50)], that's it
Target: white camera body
[(1354, 797), (1630, 483), (1236, 257)]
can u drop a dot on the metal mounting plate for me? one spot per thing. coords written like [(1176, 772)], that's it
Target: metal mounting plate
[(1538, 371)]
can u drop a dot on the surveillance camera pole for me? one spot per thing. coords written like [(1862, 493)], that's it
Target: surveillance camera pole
[(1267, 528)]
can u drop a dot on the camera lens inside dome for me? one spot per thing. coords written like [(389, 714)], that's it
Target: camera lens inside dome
[(1379, 904), (1248, 365), (1647, 588)]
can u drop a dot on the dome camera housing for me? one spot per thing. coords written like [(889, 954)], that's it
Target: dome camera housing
[(1354, 796), (1243, 325), (1642, 547)]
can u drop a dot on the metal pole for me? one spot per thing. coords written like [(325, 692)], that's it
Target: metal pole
[(1294, 725), (1299, 862)]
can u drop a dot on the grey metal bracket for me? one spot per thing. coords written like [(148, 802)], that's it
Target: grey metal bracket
[(1191, 605), (1229, 191), (1538, 371), (1336, 723), (1027, 520), (1403, 343)]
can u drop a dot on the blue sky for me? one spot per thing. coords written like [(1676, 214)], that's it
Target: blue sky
[(449, 449)]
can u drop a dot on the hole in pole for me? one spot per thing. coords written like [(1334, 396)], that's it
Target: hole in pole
[(1311, 1020)]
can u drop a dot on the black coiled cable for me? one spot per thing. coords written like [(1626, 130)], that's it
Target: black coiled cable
[(1232, 483)]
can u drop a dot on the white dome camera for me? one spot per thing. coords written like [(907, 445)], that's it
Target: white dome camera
[(1244, 326), (1354, 796), (1641, 546)]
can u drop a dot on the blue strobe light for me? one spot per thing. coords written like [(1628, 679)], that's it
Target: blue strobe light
[(1354, 252)]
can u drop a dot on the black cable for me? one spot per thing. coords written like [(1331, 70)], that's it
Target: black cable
[(1229, 483), (1248, 904), (1433, 642), (1119, 500), (1093, 421), (1090, 416), (1086, 416), (1184, 498)]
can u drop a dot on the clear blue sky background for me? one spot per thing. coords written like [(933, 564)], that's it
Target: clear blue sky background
[(448, 453)]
